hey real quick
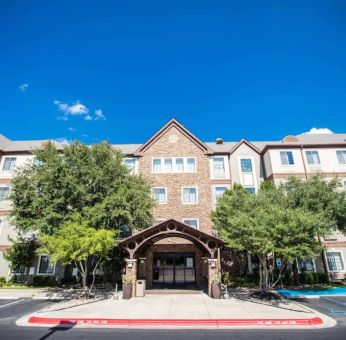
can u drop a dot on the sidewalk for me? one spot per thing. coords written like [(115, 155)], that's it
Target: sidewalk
[(195, 310)]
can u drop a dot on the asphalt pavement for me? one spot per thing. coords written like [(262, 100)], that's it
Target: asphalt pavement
[(11, 310)]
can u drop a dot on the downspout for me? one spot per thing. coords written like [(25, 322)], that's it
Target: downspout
[(301, 153)]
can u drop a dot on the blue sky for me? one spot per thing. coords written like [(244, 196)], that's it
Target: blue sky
[(119, 70)]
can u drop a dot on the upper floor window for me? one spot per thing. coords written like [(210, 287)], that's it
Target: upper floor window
[(174, 165), (168, 165), (286, 158), (190, 195), (45, 266), (4, 193), (130, 163), (312, 157), (246, 165), (344, 183), (192, 222), (157, 165), (191, 165), (218, 192), (179, 164), (219, 166), (334, 260), (341, 154), (9, 163), (159, 195)]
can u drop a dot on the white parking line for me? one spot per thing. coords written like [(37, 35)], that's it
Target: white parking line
[(337, 302), (11, 303)]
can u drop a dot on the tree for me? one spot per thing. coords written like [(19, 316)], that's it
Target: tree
[(263, 224), (21, 253), (91, 181), (319, 196), (79, 244)]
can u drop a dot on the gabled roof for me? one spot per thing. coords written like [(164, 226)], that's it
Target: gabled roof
[(204, 147), (249, 144)]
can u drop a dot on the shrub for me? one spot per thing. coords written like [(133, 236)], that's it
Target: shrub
[(40, 281), (287, 278), (2, 279)]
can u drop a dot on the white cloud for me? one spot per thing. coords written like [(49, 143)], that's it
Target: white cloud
[(88, 117), (23, 87), (71, 129), (99, 115), (318, 131), (74, 109)]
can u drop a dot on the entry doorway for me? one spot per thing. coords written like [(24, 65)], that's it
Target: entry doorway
[(174, 270)]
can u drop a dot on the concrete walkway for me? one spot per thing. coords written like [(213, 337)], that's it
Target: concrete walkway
[(174, 310)]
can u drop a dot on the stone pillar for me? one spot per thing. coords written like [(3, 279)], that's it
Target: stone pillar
[(213, 270), (131, 270)]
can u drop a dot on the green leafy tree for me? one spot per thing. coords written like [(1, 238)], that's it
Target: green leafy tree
[(21, 253), (322, 197), (264, 225), (91, 181), (79, 244)]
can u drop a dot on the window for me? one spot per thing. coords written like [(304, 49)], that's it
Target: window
[(334, 260), (341, 154), (219, 166), (45, 267), (179, 164), (9, 163), (246, 165), (218, 192), (157, 165), (344, 182), (286, 158), (192, 222), (0, 226), (312, 157), (250, 190), (168, 165), (190, 195), (191, 165), (159, 195), (306, 265), (19, 270), (36, 162), (130, 163), (4, 192)]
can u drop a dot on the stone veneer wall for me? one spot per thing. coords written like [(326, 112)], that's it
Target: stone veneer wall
[(180, 146)]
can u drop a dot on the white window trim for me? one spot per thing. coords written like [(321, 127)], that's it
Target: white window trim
[(135, 170), (342, 259), (191, 218), (306, 158), (313, 264), (254, 174), (174, 170), (214, 186), (226, 165), (287, 165), (166, 194), (9, 191), (337, 160), (182, 194), (38, 268), (3, 164)]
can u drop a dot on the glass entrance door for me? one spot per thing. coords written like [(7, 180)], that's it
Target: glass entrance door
[(174, 269)]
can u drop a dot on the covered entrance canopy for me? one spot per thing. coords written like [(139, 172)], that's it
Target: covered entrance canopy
[(138, 245)]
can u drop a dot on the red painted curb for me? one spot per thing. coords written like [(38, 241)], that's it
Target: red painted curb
[(177, 322)]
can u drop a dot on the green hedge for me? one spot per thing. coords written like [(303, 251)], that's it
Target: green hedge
[(313, 278), (40, 281)]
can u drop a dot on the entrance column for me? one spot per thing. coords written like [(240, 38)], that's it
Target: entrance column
[(213, 270), (131, 271)]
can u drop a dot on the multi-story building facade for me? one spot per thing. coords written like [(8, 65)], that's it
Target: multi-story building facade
[(187, 176)]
